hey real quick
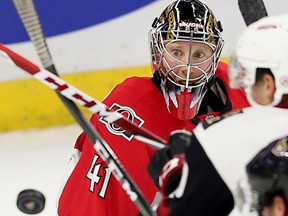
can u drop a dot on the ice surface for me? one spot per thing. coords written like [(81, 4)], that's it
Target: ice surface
[(34, 159)]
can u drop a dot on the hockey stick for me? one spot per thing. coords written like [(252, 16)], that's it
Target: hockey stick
[(69, 91), (29, 16), (252, 10), (30, 19)]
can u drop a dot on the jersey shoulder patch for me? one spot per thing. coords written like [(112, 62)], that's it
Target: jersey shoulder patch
[(215, 119)]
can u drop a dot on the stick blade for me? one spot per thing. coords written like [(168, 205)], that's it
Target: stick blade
[(252, 10)]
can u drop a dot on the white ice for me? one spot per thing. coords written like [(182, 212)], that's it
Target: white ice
[(34, 159)]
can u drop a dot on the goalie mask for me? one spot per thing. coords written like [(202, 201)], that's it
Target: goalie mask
[(263, 45), (186, 44)]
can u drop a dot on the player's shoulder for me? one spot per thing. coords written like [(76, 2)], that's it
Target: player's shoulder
[(132, 90), (222, 73), (222, 70), (222, 66), (133, 85), (216, 119), (137, 82), (237, 96)]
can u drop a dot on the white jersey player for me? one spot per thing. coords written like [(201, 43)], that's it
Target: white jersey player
[(244, 152)]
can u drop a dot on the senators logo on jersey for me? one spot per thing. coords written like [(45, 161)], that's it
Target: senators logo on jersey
[(128, 113)]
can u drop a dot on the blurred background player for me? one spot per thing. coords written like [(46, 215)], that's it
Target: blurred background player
[(268, 177), (189, 84), (236, 139)]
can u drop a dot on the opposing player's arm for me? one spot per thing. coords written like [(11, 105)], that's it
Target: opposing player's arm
[(205, 192)]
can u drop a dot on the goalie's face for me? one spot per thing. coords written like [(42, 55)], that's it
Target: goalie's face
[(186, 44), (187, 63), (186, 67)]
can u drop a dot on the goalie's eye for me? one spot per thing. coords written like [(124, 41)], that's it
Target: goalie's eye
[(188, 52), (177, 53), (198, 55)]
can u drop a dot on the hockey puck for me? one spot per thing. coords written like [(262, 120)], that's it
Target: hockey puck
[(30, 201)]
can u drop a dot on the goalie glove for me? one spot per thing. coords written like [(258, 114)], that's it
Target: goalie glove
[(168, 167)]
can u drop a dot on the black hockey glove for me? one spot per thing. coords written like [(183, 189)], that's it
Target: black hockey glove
[(200, 191), (168, 167)]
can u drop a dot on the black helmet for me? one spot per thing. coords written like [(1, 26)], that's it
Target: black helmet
[(193, 23)]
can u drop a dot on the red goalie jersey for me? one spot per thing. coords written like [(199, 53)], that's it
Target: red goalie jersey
[(90, 188)]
